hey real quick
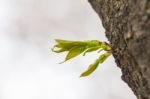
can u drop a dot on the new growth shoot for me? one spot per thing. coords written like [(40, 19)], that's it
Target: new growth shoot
[(75, 48)]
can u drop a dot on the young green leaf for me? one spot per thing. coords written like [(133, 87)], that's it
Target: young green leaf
[(91, 50), (93, 66), (93, 43), (90, 69), (58, 49), (104, 56), (68, 45), (75, 51), (64, 44)]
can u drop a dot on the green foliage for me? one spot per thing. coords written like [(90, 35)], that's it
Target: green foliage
[(75, 48), (91, 49), (75, 51), (93, 66)]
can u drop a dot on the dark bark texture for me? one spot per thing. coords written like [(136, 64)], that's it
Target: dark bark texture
[(127, 25)]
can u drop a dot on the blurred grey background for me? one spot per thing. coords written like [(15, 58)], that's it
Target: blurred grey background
[(28, 68)]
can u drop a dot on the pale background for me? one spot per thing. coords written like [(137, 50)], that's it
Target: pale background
[(28, 68)]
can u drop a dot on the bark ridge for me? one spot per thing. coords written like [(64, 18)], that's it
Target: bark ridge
[(127, 25)]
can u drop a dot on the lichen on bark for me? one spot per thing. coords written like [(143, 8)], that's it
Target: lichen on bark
[(127, 25)]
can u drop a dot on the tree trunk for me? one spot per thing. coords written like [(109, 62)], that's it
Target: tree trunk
[(127, 25)]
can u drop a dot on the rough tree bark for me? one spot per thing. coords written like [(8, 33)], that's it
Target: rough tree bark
[(127, 24)]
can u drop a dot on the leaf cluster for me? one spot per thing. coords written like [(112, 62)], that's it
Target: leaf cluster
[(75, 48)]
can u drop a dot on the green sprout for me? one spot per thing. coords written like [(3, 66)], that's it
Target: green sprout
[(75, 48)]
